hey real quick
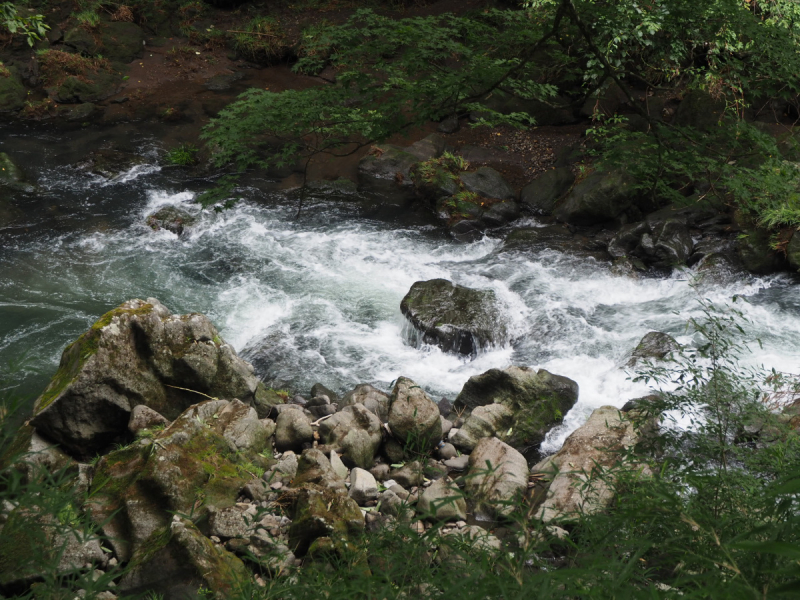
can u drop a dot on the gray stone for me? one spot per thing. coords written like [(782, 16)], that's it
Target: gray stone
[(178, 561), (579, 478), (457, 463), (171, 218), (488, 183), (12, 92), (447, 451), (314, 467), (446, 426), (390, 503), (386, 171), (655, 346), (355, 432), (363, 487), (375, 401), (233, 521), (442, 501), (453, 317), (287, 464), (143, 417), (413, 417), (497, 478), (136, 354), (538, 400), (598, 198), (319, 514), (484, 421), (337, 465), (380, 471), (409, 475), (500, 213), (320, 390), (292, 431), (540, 196)]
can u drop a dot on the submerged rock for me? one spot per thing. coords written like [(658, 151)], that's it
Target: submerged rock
[(453, 317), (172, 219), (138, 353), (538, 400), (654, 345)]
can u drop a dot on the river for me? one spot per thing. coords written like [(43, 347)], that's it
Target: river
[(317, 298)]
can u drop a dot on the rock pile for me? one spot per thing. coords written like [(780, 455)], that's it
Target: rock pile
[(202, 494)]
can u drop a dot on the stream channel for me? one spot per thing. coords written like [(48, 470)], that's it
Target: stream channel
[(318, 298)]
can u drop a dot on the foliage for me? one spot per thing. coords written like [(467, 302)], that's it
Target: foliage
[(390, 76), (183, 155), (261, 40), (32, 27)]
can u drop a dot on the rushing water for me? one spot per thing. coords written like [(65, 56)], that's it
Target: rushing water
[(317, 299)]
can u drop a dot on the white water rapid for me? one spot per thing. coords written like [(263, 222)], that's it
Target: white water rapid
[(317, 299)]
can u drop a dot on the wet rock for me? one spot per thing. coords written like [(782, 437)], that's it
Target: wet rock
[(445, 407), (374, 400), (178, 560), (138, 353), (86, 88), (540, 196), (355, 432), (442, 501), (487, 183), (222, 82), (122, 41), (12, 93), (550, 236), (322, 513), (538, 400), (363, 487), (455, 318), (793, 251), (386, 172), (598, 198), (654, 345), (497, 478), (172, 219), (413, 417), (668, 244), (484, 421), (144, 417), (11, 175), (110, 163), (315, 468), (320, 390), (575, 485), (754, 249), (500, 213)]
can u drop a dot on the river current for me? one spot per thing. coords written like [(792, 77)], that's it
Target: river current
[(317, 299)]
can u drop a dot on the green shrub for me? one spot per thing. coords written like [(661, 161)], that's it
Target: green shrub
[(183, 155)]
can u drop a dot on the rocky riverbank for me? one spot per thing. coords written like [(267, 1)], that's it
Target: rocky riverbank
[(194, 474)]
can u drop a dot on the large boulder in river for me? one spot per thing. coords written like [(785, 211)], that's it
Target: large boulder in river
[(538, 400), (453, 317), (578, 479), (655, 345), (138, 353), (413, 416), (171, 218), (497, 478), (487, 183), (600, 197), (665, 243)]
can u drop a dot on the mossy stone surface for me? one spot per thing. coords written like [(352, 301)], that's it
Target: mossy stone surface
[(12, 93)]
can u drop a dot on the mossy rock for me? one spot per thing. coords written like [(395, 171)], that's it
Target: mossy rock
[(178, 560), (454, 317), (92, 87), (122, 41), (321, 513), (793, 251), (754, 248), (12, 92), (539, 400)]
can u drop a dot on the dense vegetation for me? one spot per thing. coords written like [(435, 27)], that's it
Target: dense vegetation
[(727, 59)]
